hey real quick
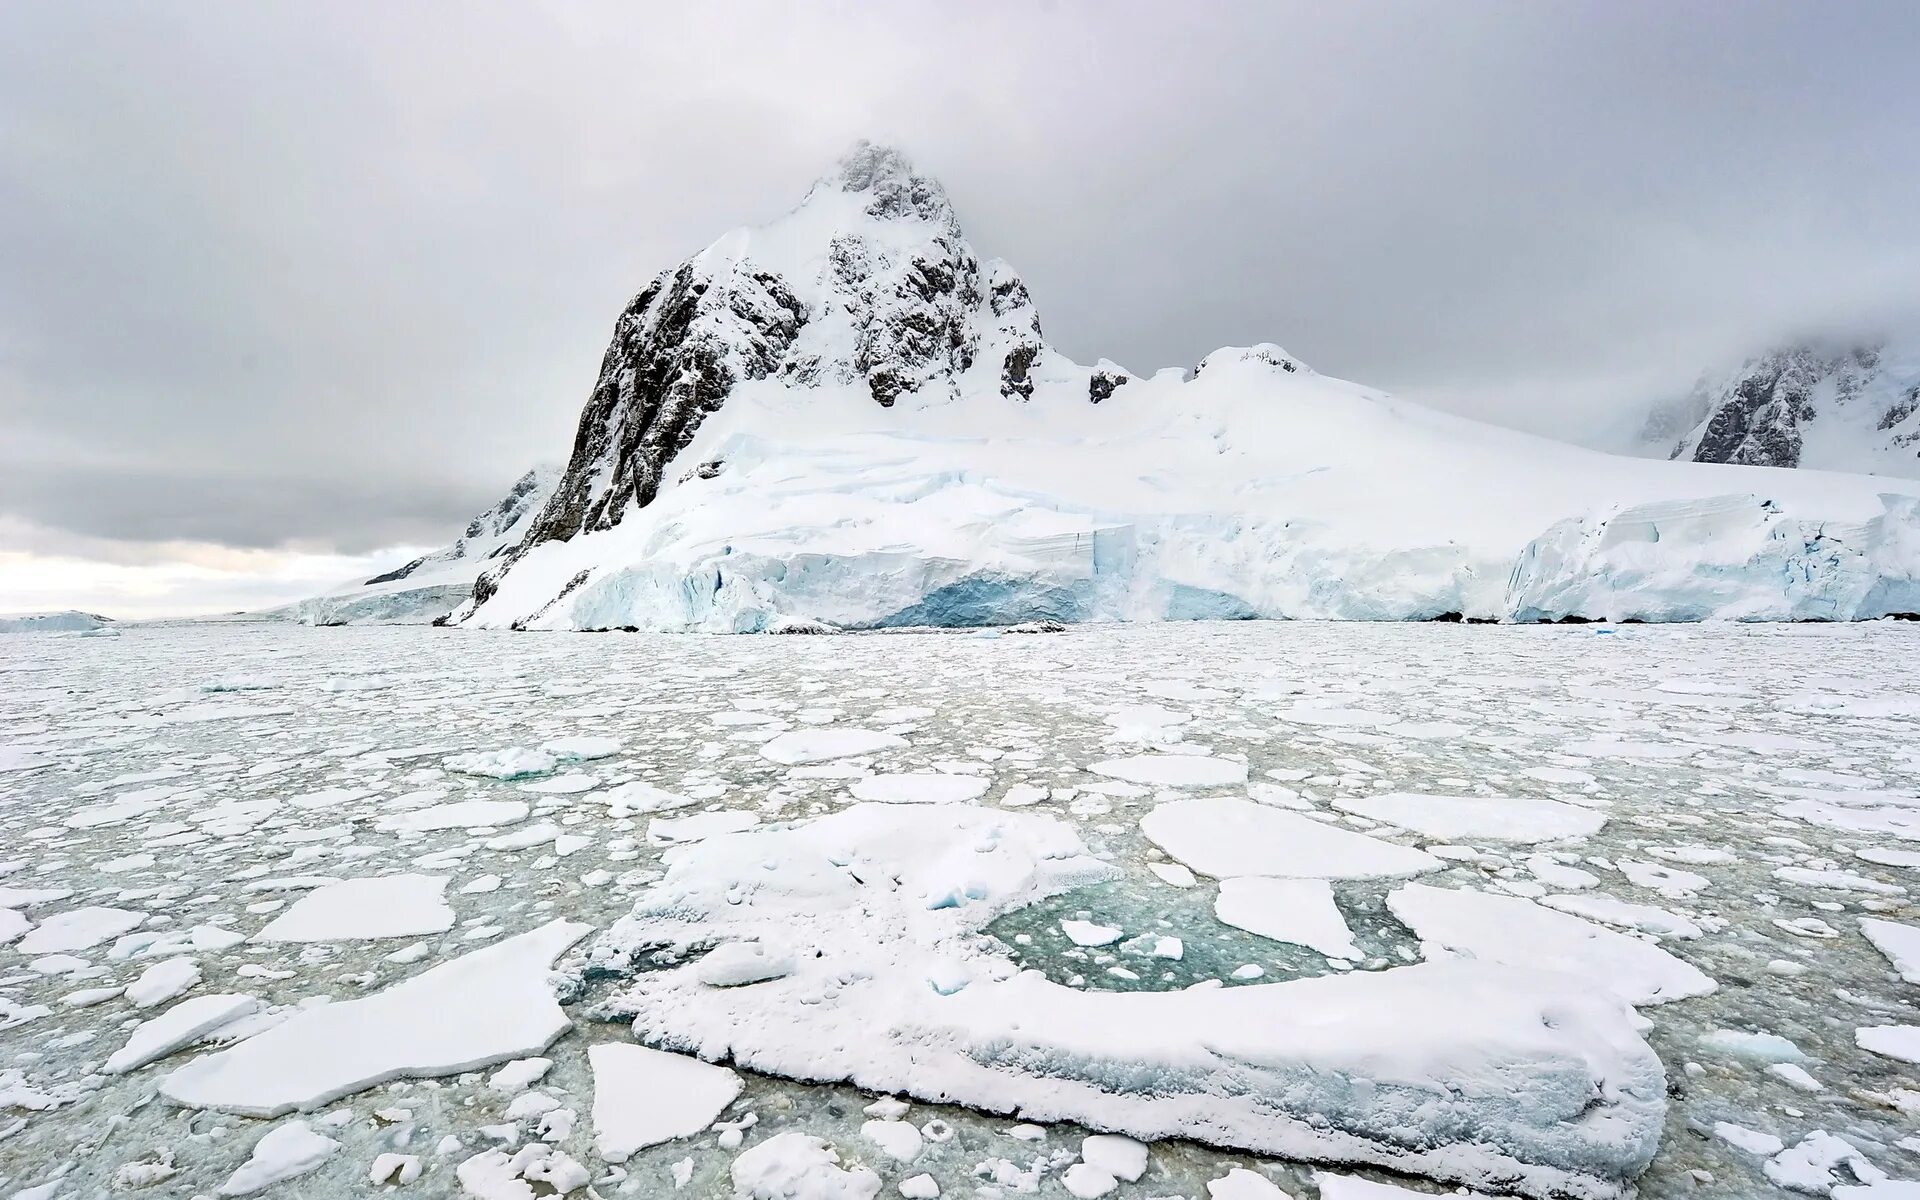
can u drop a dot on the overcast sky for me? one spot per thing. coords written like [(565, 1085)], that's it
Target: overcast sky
[(288, 288)]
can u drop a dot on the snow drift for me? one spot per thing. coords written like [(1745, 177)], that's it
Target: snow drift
[(847, 416)]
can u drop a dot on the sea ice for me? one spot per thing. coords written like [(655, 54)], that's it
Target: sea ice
[(460, 814), (386, 906), (283, 1152), (486, 1006), (1508, 929), (801, 746), (1900, 943), (1173, 770), (919, 788), (78, 929), (643, 1097), (1469, 818), (1299, 911), (1225, 836), (182, 1025)]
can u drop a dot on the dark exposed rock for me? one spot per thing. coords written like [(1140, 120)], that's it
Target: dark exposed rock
[(1014, 380), (1758, 416), (1103, 382)]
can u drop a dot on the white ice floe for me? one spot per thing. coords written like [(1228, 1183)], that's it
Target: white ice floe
[(1546, 1083), (460, 814), (487, 1006), (1900, 943), (163, 981), (581, 748), (1482, 818), (1622, 914), (182, 1025), (663, 831), (1892, 1041), (1225, 836), (78, 929), (799, 1166), (386, 906), (630, 799), (1173, 770), (801, 746), (924, 787), (1297, 911), (643, 1097), (1086, 933), (510, 763), (1509, 929), (284, 1152)]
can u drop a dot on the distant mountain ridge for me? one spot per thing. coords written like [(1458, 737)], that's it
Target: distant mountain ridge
[(1828, 406)]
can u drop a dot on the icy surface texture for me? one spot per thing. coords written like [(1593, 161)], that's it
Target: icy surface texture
[(1004, 932)]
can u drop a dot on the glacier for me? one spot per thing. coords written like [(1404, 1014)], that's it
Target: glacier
[(848, 417)]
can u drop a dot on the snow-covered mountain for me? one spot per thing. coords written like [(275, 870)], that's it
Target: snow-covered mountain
[(66, 621), (848, 416), (429, 587), (1825, 405)]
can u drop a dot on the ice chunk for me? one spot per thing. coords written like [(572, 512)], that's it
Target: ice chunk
[(1121, 1157), (1086, 933), (1893, 1041), (78, 929), (484, 1007), (1225, 836), (163, 981), (818, 745), (1173, 770), (387, 906), (1900, 943), (1299, 911), (581, 748), (182, 1025), (643, 1097), (283, 1152), (919, 788), (1471, 818), (460, 814), (735, 964), (1353, 1187), (1608, 911), (510, 763), (798, 1166), (1508, 929)]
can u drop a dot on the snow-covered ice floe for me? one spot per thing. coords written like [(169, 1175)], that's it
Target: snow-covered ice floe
[(1464, 1071)]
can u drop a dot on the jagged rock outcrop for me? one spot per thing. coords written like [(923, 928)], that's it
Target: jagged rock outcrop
[(899, 306), (1823, 405)]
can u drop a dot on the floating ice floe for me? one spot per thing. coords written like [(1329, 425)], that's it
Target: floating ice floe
[(460, 814), (1900, 943), (182, 1025), (801, 746), (486, 1006), (1173, 770), (643, 1097), (1516, 931), (925, 787), (78, 929), (1485, 818), (510, 763), (1225, 836), (283, 1152), (386, 906), (1297, 911), (1546, 1085)]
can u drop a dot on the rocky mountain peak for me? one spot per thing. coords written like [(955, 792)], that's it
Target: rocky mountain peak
[(868, 284), (1834, 404)]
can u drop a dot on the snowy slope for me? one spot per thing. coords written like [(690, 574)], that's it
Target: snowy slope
[(430, 586), (69, 621), (848, 416), (1831, 407)]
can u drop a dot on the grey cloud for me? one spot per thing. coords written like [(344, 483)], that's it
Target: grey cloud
[(337, 272)]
